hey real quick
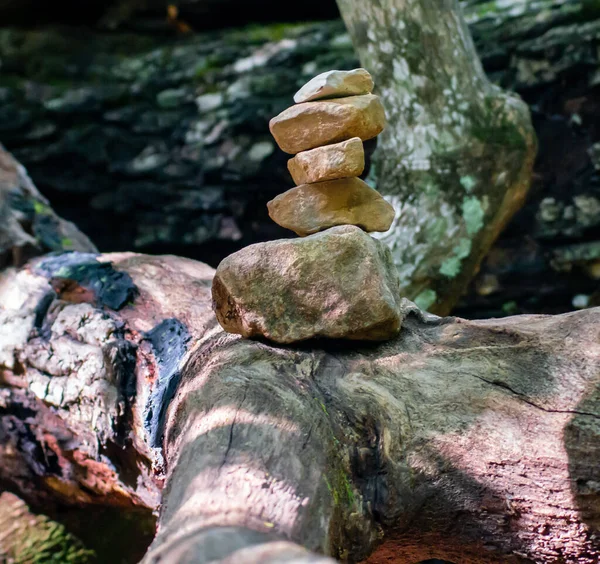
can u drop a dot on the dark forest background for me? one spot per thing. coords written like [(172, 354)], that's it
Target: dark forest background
[(146, 125)]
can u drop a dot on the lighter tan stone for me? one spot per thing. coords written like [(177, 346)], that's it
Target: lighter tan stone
[(335, 84), (341, 160), (312, 124), (310, 208)]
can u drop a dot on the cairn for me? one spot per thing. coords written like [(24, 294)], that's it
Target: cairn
[(334, 113), (335, 281)]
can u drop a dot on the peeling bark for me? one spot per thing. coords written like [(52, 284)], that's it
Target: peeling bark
[(456, 158), (471, 441)]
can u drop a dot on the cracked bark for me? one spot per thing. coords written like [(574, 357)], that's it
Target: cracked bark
[(471, 441)]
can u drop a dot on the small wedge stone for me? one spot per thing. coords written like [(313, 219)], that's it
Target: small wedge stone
[(335, 84), (310, 208), (313, 124), (341, 160)]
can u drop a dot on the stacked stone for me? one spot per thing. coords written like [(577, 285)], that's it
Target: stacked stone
[(334, 113), (335, 281)]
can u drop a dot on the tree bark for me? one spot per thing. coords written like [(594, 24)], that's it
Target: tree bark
[(471, 441), (457, 155)]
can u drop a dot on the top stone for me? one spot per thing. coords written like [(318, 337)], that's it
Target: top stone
[(335, 84)]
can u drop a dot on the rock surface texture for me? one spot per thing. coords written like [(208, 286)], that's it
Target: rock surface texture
[(337, 284), (329, 192), (334, 84), (341, 160), (310, 208), (312, 124)]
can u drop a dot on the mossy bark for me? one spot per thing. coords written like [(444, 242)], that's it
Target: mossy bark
[(456, 157), (28, 225), (26, 538)]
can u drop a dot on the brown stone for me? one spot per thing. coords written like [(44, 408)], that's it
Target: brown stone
[(335, 84), (312, 124), (310, 208), (339, 284), (341, 160)]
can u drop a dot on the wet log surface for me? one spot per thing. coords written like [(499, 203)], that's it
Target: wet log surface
[(471, 441)]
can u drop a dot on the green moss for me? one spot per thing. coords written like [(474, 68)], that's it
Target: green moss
[(263, 33), (497, 126), (510, 308), (49, 542), (451, 266), (341, 490), (41, 209), (426, 299), (322, 406), (349, 491), (473, 214), (115, 534), (485, 9), (208, 65), (332, 491)]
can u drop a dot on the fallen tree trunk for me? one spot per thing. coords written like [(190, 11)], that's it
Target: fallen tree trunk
[(471, 441), (32, 435)]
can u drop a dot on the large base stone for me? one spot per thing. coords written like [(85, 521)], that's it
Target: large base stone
[(340, 284)]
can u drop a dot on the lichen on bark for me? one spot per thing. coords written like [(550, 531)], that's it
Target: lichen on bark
[(456, 157)]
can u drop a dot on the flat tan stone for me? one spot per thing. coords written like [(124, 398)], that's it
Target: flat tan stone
[(310, 208), (341, 160), (312, 124), (335, 84)]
